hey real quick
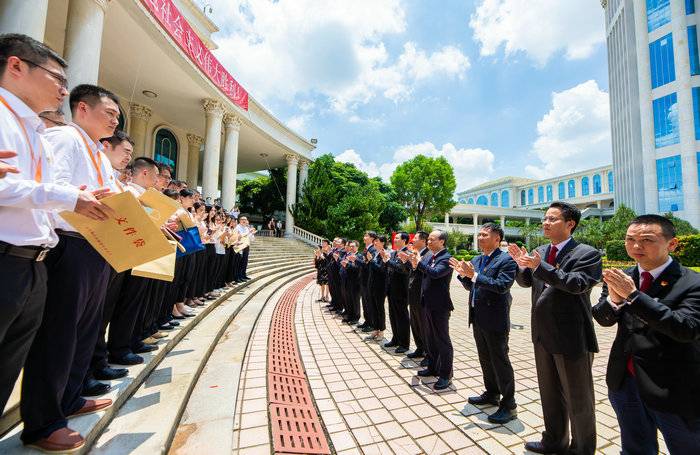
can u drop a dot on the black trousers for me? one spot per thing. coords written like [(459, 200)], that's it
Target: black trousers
[(492, 348), (352, 300), (367, 305), (378, 292), (22, 304), (111, 309), (439, 344), (243, 269), (417, 319), (398, 318), (211, 267), (133, 304), (566, 390), (61, 353)]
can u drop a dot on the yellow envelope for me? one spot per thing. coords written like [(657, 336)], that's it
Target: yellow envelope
[(161, 206), (128, 238), (161, 269)]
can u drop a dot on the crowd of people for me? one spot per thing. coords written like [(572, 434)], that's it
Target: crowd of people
[(69, 320), (653, 373)]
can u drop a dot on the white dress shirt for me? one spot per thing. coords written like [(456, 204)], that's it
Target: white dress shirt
[(74, 165), (25, 205), (243, 230), (135, 189)]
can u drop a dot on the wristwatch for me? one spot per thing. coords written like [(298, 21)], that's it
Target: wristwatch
[(633, 296)]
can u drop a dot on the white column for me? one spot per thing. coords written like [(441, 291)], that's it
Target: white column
[(212, 147), (527, 239), (139, 116), (503, 221), (447, 220), (194, 144), (84, 40), (232, 125), (292, 162), (476, 232), (24, 16), (303, 174)]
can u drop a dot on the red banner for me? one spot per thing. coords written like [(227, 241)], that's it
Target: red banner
[(181, 31)]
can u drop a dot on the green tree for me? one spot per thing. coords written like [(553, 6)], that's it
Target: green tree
[(425, 187), (616, 227), (591, 232), (683, 227), (261, 195), (532, 233), (392, 213)]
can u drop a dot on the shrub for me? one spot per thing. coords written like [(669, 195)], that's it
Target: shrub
[(615, 250), (688, 251)]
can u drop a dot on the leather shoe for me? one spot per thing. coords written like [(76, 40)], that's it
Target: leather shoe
[(415, 354), (159, 335), (390, 344), (539, 447), (352, 322), (367, 330), (173, 323), (168, 326), (401, 350), (442, 384), (425, 373), (150, 340), (424, 362), (175, 317), (63, 440), (94, 388), (128, 359), (503, 416), (145, 348), (485, 399), (92, 406), (109, 374)]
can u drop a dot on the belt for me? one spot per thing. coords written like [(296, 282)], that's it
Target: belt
[(35, 253), (69, 234)]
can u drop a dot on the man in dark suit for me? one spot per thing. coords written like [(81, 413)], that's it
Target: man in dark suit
[(415, 306), (397, 294), (352, 284), (653, 372), (489, 277), (363, 264), (437, 304), (561, 275)]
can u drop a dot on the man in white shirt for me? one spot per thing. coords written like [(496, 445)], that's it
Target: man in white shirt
[(118, 149), (245, 231), (60, 356), (32, 80)]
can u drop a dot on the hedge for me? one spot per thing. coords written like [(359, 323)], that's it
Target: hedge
[(615, 251), (688, 251)]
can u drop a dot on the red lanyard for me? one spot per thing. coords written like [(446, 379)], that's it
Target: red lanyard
[(97, 163), (36, 161)]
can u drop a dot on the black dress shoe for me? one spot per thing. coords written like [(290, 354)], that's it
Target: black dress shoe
[(174, 323), (425, 373), (95, 388), (485, 399), (128, 359), (415, 354), (390, 344), (424, 363), (367, 330), (503, 415), (352, 322), (178, 317), (362, 326), (109, 374), (167, 326), (442, 384), (539, 447), (401, 350), (145, 348)]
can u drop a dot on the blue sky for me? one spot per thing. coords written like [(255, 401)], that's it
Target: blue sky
[(498, 87)]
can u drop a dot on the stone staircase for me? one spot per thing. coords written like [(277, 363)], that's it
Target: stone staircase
[(150, 402)]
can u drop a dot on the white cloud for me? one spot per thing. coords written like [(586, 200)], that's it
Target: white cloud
[(287, 48), (297, 123), (472, 166), (575, 134), (539, 28)]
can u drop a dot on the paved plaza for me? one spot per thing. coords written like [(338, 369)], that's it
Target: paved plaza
[(371, 402)]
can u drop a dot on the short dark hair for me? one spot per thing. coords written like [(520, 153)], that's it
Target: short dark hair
[(381, 238), (326, 241), (442, 235), (421, 235), (403, 236), (493, 227), (27, 49), (143, 162), (186, 192), (372, 234), (568, 211), (343, 241), (667, 227), (162, 167), (172, 194), (117, 138), (89, 94)]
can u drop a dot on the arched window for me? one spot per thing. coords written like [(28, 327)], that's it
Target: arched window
[(505, 198), (597, 184), (572, 188), (166, 149), (522, 197), (462, 200), (549, 193), (584, 186), (561, 190), (482, 200), (540, 194), (611, 182), (470, 201), (494, 199), (530, 196)]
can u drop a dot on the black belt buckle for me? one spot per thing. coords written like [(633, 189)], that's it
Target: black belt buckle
[(42, 254)]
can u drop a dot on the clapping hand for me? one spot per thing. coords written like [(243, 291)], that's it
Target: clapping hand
[(620, 285), (6, 168), (352, 258), (369, 256), (385, 255), (344, 262), (403, 256), (522, 258), (463, 268), (414, 260), (336, 256)]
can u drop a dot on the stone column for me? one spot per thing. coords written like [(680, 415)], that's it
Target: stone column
[(292, 162), (139, 116), (214, 110), (503, 221), (303, 174), (24, 16), (194, 144), (84, 40), (475, 220), (232, 123), (527, 239)]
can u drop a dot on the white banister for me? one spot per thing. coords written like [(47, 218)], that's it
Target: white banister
[(306, 236)]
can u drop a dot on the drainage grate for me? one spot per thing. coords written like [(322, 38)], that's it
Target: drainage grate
[(296, 427)]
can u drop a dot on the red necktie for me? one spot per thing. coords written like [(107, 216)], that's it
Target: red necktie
[(645, 281), (552, 255)]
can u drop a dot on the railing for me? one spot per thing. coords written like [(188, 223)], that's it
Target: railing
[(469, 228), (307, 237), (265, 233)]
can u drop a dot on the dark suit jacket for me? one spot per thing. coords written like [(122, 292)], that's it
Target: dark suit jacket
[(661, 331), (397, 281), (378, 273), (364, 265), (491, 292), (561, 313), (415, 282), (435, 288)]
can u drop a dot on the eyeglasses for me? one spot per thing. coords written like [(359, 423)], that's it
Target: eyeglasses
[(550, 219), (63, 82)]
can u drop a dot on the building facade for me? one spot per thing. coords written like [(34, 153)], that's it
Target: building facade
[(654, 72)]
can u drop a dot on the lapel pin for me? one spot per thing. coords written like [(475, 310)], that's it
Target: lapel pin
[(664, 283)]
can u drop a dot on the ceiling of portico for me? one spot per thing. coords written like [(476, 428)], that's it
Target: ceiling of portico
[(137, 56)]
